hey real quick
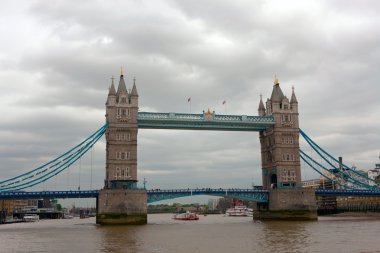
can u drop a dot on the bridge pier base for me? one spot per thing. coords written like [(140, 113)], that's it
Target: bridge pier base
[(288, 204), (122, 207)]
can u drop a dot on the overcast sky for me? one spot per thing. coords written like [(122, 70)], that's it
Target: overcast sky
[(57, 58)]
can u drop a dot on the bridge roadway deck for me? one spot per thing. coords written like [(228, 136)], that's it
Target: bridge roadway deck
[(159, 195)]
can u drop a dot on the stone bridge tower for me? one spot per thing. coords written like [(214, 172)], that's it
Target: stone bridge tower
[(120, 202), (280, 159), (280, 144)]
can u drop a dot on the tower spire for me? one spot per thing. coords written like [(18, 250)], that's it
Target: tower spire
[(275, 82), (122, 86), (261, 106), (134, 89), (112, 90), (293, 99), (277, 94)]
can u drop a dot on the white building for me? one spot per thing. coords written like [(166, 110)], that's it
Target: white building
[(374, 173)]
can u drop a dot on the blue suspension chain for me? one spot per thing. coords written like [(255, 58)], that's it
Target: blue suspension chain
[(67, 160), (54, 160), (317, 148), (73, 160), (320, 173), (60, 169), (306, 137)]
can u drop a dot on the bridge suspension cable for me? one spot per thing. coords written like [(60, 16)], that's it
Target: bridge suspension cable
[(359, 180), (54, 167), (307, 159)]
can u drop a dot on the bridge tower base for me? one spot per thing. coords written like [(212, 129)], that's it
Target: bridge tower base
[(122, 207), (288, 204)]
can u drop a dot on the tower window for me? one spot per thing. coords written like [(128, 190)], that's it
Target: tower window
[(286, 118)]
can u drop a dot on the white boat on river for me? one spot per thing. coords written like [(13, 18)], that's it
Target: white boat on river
[(239, 211), (31, 217)]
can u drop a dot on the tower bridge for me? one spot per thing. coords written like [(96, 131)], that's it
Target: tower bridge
[(120, 201), (277, 124)]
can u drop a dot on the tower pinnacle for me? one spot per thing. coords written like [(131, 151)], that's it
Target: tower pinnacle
[(261, 106), (293, 99), (112, 90), (134, 89), (275, 82)]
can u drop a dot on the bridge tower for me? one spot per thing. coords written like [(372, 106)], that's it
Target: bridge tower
[(280, 144), (120, 202), (280, 159)]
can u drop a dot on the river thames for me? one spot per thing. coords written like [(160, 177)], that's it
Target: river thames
[(213, 233)]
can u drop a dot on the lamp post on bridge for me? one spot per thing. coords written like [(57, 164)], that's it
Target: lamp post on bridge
[(144, 182)]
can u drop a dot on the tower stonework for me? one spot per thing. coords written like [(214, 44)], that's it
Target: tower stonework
[(120, 202), (280, 144), (280, 159)]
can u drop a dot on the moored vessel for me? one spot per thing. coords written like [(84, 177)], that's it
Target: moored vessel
[(239, 211), (31, 217)]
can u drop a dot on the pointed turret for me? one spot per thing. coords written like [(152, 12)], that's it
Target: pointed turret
[(134, 89), (134, 96), (261, 106), (293, 99), (111, 99), (122, 86), (277, 94), (112, 90), (294, 102)]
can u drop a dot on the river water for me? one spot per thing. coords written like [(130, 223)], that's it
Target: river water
[(212, 233)]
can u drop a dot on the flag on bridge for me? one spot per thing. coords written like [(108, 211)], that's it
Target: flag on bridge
[(224, 101), (189, 99)]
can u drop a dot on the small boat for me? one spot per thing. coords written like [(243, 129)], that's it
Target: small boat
[(239, 211), (67, 216), (186, 216), (31, 217)]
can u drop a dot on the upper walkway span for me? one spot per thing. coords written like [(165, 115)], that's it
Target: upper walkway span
[(206, 121)]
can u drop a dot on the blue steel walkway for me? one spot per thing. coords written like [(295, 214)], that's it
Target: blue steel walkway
[(205, 121)]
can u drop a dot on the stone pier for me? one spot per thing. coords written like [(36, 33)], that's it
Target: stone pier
[(288, 204), (122, 206)]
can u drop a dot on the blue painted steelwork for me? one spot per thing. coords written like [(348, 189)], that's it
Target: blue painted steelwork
[(52, 168), (49, 194), (205, 121), (247, 194), (159, 195), (307, 159), (326, 192), (322, 153)]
